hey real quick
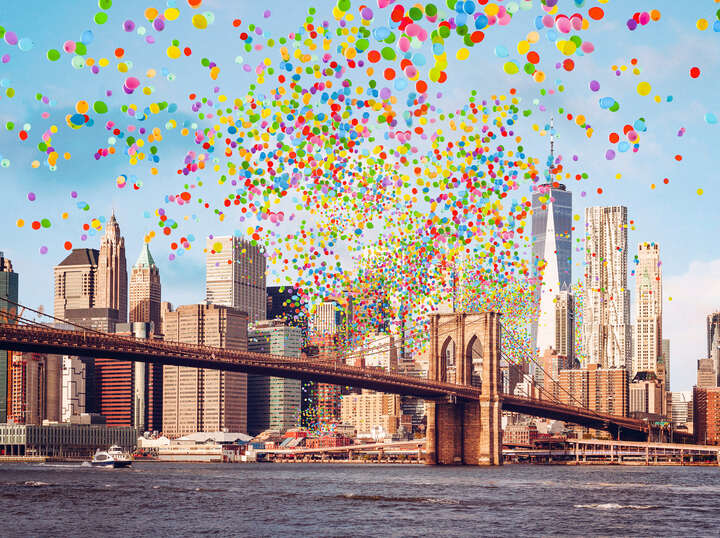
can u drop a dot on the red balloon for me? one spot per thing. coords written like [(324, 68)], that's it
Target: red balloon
[(694, 72)]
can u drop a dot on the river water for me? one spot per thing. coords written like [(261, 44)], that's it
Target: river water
[(357, 500)]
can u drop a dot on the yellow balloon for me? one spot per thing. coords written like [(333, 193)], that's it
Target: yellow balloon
[(644, 88), (173, 52), (523, 47), (462, 54), (702, 24), (199, 21), (172, 13)]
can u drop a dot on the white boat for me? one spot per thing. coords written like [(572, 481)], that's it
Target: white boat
[(112, 457)]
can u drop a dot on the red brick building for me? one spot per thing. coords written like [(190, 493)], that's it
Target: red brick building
[(706, 415)]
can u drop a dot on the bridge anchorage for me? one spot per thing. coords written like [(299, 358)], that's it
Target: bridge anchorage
[(465, 349)]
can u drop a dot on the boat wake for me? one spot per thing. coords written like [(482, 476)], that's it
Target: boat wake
[(615, 506), (383, 498)]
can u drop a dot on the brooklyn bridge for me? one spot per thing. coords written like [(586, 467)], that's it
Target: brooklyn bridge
[(463, 419)]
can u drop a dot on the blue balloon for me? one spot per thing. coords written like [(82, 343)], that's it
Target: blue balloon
[(26, 44), (469, 7), (606, 102), (481, 22), (716, 26), (400, 83), (539, 23), (382, 33), (640, 126), (87, 37), (77, 119), (501, 52), (419, 60), (711, 118), (551, 35), (438, 48), (623, 146), (461, 19)]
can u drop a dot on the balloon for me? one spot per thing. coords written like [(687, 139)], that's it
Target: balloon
[(594, 85), (26, 44), (710, 118), (644, 88)]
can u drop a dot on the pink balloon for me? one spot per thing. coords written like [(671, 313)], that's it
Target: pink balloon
[(587, 47), (69, 46), (548, 21)]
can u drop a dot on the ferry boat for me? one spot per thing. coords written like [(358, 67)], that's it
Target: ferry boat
[(112, 457)]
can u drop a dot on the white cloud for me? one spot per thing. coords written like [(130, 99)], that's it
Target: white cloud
[(695, 294)]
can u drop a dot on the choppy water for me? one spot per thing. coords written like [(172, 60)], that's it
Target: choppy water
[(357, 500)]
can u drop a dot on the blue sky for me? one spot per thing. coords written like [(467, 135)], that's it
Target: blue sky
[(674, 215)]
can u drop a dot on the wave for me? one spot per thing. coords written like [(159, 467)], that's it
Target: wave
[(35, 483), (615, 506), (383, 498)]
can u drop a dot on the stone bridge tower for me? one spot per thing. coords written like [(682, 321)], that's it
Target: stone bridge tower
[(465, 349)]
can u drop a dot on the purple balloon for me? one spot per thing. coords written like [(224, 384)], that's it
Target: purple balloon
[(159, 24), (31, 196), (594, 85), (128, 25), (11, 38), (631, 24), (610, 154)]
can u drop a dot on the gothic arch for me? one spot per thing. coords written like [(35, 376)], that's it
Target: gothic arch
[(474, 361), (448, 361)]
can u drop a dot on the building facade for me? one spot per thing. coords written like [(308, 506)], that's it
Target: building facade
[(648, 313), (76, 281), (552, 254), (145, 290), (647, 395), (599, 389), (235, 275), (565, 325), (198, 399), (713, 327), (706, 415), (112, 277), (606, 315), (369, 410), (36, 388), (273, 402), (8, 288), (73, 387)]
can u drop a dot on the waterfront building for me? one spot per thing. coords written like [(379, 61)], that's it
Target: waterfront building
[(235, 276), (647, 395), (706, 415), (130, 393), (112, 277), (76, 440), (606, 315), (73, 385), (604, 390), (8, 288), (76, 281), (273, 402), (145, 291), (522, 433), (35, 388), (198, 399), (369, 410), (648, 313), (681, 407)]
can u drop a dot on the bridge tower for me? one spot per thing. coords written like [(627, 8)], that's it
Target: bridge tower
[(465, 349)]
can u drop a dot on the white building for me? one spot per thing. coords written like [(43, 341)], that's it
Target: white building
[(681, 407), (73, 387), (606, 316), (235, 276), (328, 318), (648, 309)]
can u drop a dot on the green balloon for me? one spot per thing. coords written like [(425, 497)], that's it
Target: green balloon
[(615, 107), (53, 55), (104, 4), (100, 107), (388, 53), (80, 48), (100, 17)]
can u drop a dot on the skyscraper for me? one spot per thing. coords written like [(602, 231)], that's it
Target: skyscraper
[(9, 290), (235, 276), (648, 313), (198, 399), (606, 316), (76, 281), (565, 325), (551, 249), (713, 326), (112, 278), (273, 402), (145, 290)]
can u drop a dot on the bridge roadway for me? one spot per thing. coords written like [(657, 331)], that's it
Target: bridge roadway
[(99, 345)]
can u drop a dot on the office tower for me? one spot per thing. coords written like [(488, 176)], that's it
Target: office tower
[(145, 291), (706, 415), (273, 402), (565, 325), (663, 370), (552, 247), (76, 281), (598, 389), (73, 387), (198, 399), (130, 393), (713, 324), (8, 311), (328, 318), (606, 316), (706, 373), (647, 394), (36, 388), (112, 278), (648, 309), (235, 275)]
